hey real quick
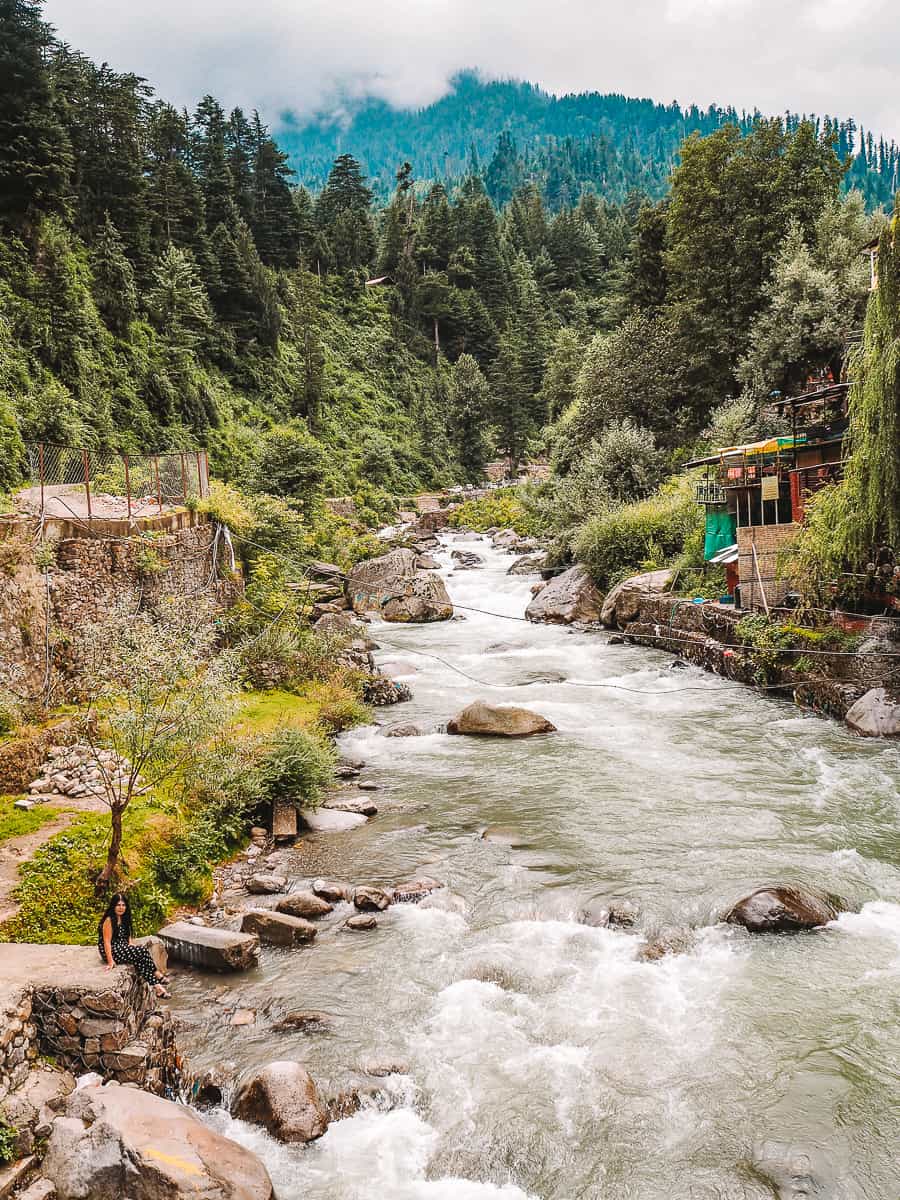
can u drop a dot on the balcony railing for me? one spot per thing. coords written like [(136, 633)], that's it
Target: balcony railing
[(710, 491)]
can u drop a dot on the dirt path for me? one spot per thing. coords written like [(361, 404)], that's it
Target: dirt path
[(16, 851)]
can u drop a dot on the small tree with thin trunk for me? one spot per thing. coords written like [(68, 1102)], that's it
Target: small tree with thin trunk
[(154, 696)]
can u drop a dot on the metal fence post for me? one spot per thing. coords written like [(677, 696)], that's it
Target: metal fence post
[(87, 480), (183, 479), (158, 488), (41, 472), (127, 484), (199, 474)]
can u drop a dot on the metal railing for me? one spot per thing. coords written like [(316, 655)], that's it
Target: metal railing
[(74, 482)]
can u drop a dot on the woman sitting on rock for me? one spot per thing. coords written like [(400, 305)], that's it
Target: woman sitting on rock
[(114, 944)]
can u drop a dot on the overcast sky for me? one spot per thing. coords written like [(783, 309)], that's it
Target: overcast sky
[(835, 56)]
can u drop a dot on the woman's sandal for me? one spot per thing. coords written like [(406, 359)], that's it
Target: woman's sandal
[(162, 993)]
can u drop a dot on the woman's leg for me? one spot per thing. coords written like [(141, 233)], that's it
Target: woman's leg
[(141, 959)]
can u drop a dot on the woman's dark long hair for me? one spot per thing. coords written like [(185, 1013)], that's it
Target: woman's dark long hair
[(111, 913)]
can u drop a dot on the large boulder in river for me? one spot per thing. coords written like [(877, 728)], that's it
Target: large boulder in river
[(498, 720), (875, 715), (113, 1142), (423, 598), (528, 564), (569, 597), (783, 910), (283, 1098), (623, 602)]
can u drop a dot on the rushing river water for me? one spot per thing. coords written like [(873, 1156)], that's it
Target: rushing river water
[(542, 1059)]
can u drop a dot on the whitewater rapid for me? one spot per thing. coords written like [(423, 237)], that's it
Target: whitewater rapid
[(541, 1059)]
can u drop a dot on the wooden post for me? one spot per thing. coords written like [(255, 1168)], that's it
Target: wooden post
[(759, 578), (127, 484), (87, 480), (158, 488)]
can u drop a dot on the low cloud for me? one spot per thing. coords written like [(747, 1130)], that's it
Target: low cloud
[(828, 56)]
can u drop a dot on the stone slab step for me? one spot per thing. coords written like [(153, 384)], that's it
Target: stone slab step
[(212, 949), (13, 1176)]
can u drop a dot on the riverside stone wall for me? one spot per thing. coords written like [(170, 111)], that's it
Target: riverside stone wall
[(91, 575), (83, 1017), (704, 634)]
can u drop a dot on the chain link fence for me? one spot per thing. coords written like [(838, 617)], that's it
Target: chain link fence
[(73, 482)]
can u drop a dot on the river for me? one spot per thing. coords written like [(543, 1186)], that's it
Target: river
[(541, 1059)]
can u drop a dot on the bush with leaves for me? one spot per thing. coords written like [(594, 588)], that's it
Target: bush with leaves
[(502, 509), (643, 536), (297, 766)]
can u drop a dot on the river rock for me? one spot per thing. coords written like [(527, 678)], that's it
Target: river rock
[(528, 564), (783, 910), (361, 922), (380, 691), (505, 539), (304, 904), (875, 714), (283, 1098), (424, 599), (601, 913), (371, 899), (117, 1142), (415, 890), (265, 884), (278, 929), (669, 941), (408, 730), (569, 597), (331, 890), (213, 949), (426, 563), (481, 719), (623, 602), (465, 559), (362, 808), (306, 1020), (340, 624)]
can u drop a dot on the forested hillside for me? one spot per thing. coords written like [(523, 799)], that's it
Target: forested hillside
[(610, 142), (166, 282)]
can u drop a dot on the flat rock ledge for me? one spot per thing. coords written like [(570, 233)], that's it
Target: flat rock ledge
[(212, 949)]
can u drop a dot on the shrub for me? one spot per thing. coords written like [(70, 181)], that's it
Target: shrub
[(639, 537), (8, 1142), (338, 702), (501, 509), (296, 766)]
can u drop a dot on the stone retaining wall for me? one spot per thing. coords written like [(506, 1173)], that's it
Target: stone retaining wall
[(92, 576), (60, 1002), (704, 634)]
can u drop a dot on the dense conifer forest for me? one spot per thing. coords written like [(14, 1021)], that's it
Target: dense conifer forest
[(166, 280)]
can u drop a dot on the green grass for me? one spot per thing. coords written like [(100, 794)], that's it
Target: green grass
[(15, 822), (261, 712)]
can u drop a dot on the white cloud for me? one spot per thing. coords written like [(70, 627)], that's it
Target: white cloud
[(834, 56)]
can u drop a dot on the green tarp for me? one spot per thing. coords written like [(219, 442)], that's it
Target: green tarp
[(719, 532)]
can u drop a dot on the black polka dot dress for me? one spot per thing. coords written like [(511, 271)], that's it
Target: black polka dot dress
[(138, 957)]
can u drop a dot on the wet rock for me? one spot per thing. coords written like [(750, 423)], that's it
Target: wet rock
[(407, 730), (380, 691), (670, 941), (380, 1068), (305, 1020), (213, 949), (371, 899), (875, 714), (361, 922), (601, 913), (425, 599), (481, 719), (277, 929), (537, 588), (340, 624), (623, 602), (304, 904), (528, 564), (331, 890), (363, 808), (615, 639), (344, 1104), (569, 597), (414, 890), (283, 1098), (506, 539), (465, 560), (783, 910), (266, 885), (208, 1089), (114, 1142)]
